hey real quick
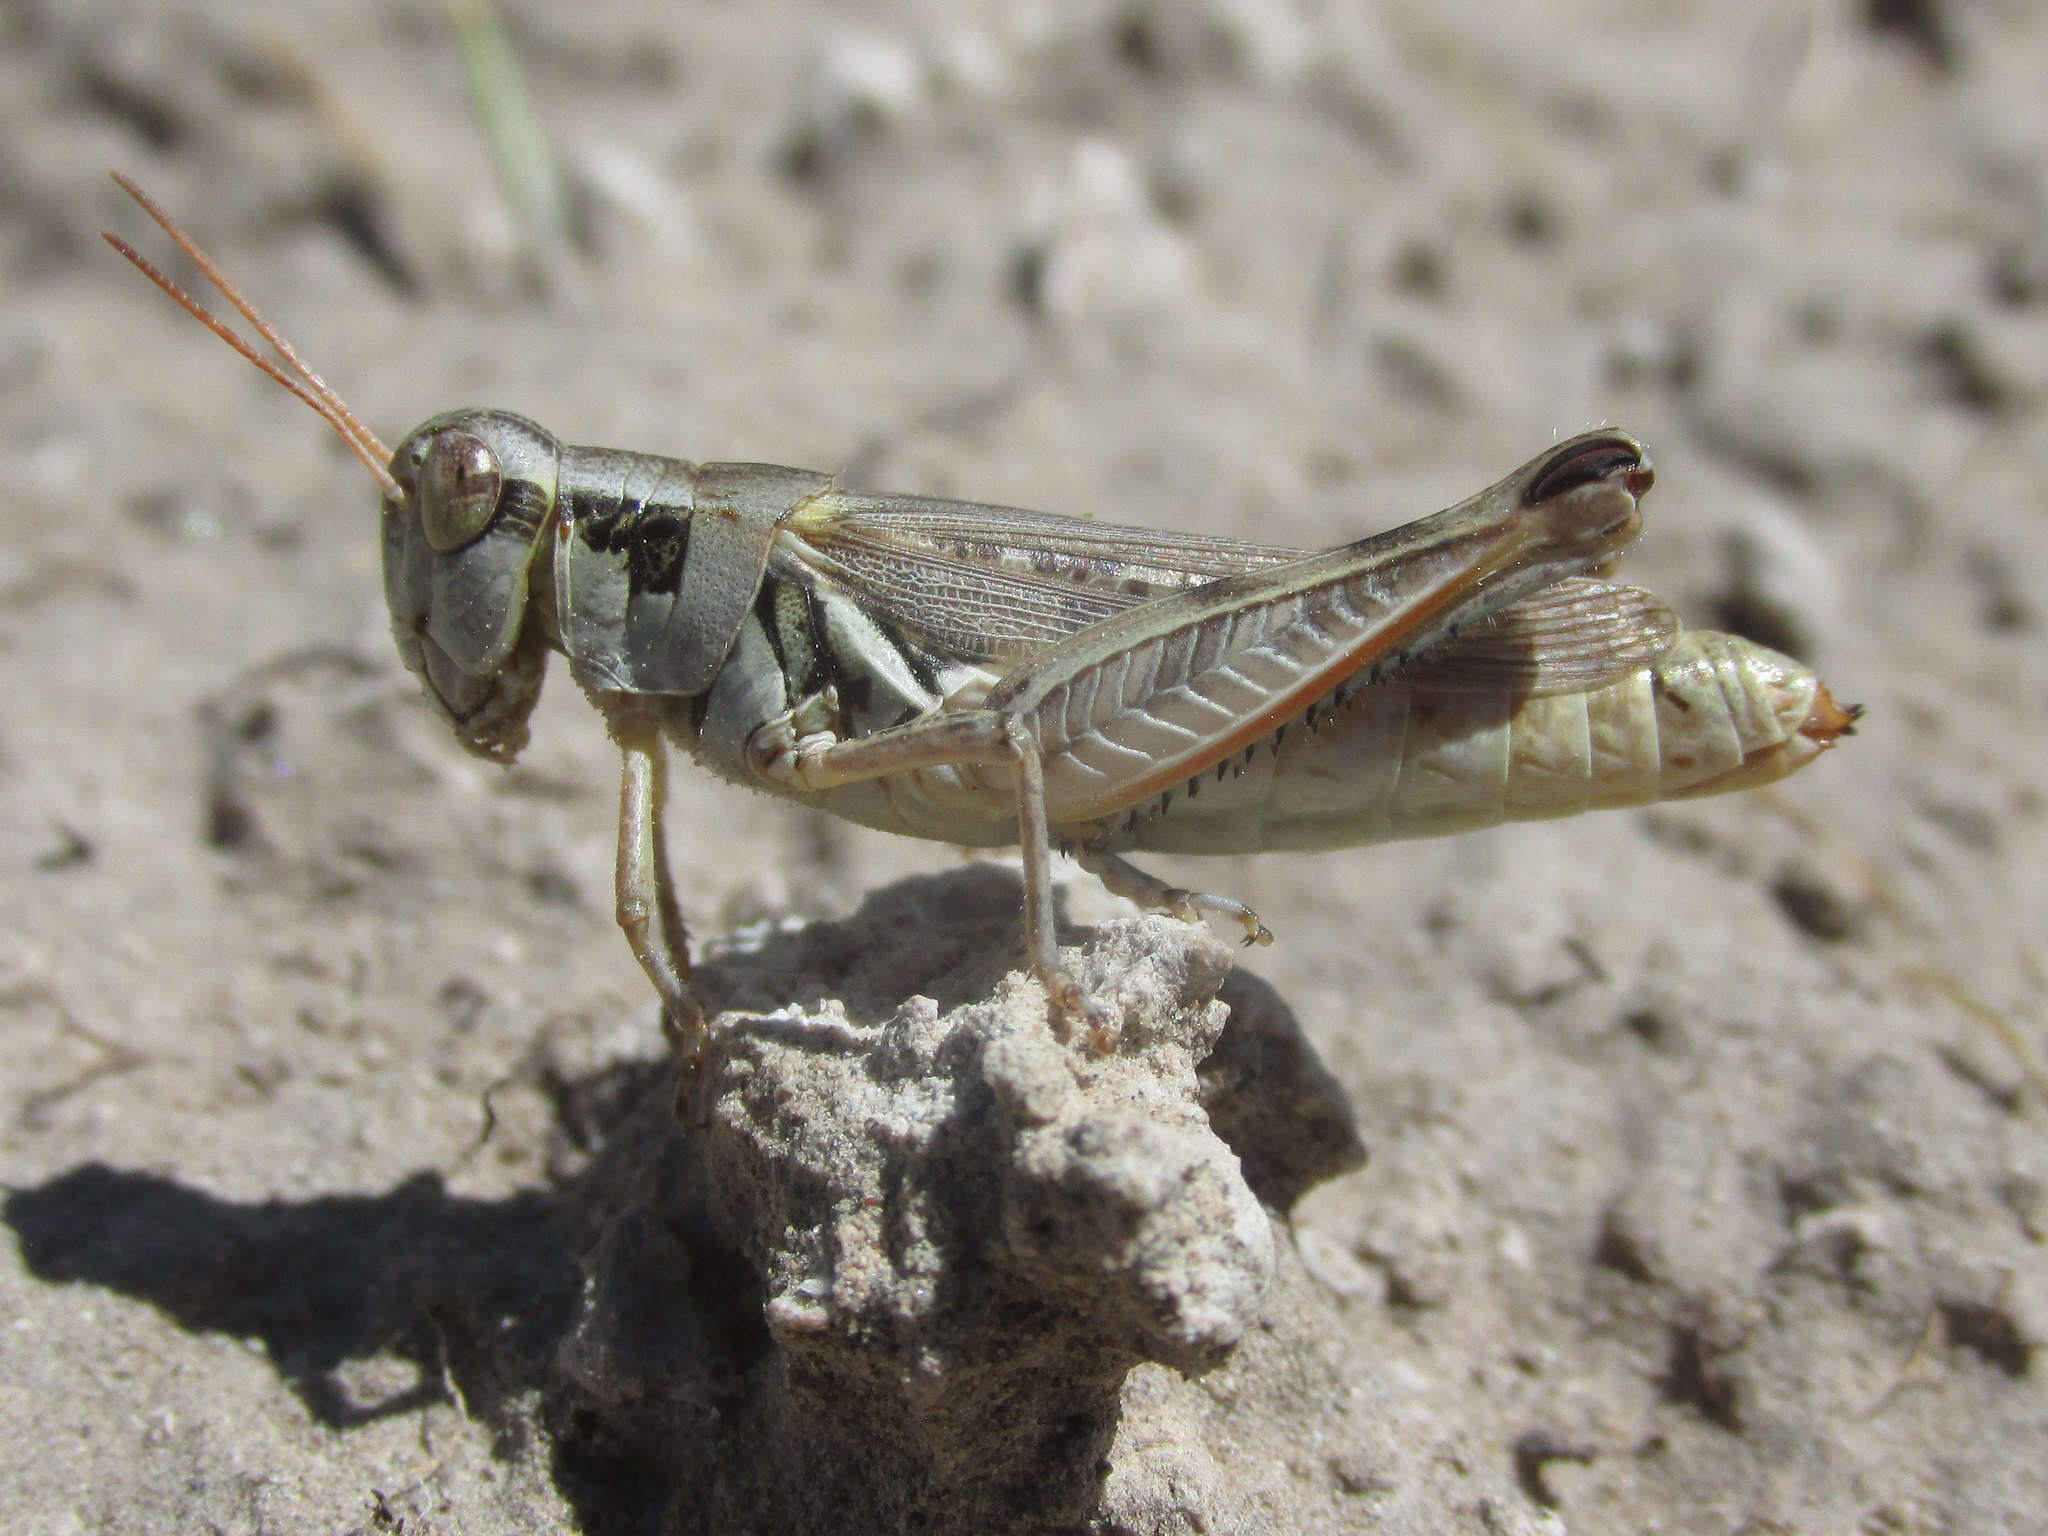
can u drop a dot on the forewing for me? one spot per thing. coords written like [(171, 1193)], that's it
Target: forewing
[(1080, 547), (994, 584)]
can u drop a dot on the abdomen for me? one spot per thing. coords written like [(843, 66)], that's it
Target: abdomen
[(1714, 713)]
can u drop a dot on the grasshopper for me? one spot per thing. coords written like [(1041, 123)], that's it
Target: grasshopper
[(990, 676)]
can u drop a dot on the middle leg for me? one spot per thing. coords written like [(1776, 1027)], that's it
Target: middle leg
[(964, 739)]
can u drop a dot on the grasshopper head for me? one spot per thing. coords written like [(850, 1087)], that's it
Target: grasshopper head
[(467, 500), (475, 497)]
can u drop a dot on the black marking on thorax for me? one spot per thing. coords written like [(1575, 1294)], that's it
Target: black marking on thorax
[(852, 678), (919, 661), (653, 537)]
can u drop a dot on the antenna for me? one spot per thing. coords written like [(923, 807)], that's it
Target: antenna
[(301, 380)]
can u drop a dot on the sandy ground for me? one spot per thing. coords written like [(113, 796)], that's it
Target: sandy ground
[(1709, 1184)]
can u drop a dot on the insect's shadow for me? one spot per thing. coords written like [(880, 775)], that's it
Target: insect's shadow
[(375, 1305), (471, 1293)]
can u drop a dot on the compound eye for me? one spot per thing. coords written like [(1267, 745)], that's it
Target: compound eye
[(459, 486)]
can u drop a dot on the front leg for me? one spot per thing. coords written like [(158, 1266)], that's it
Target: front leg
[(647, 911), (960, 740)]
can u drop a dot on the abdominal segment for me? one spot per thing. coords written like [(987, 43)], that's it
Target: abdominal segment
[(1393, 760)]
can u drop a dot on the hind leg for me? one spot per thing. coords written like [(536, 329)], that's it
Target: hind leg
[(1124, 879)]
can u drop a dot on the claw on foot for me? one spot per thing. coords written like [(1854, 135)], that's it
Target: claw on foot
[(687, 1030), (1065, 1001), (1189, 907), (690, 1046), (1104, 1028), (1068, 1005)]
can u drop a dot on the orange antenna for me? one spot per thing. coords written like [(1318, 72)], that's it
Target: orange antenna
[(301, 381)]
